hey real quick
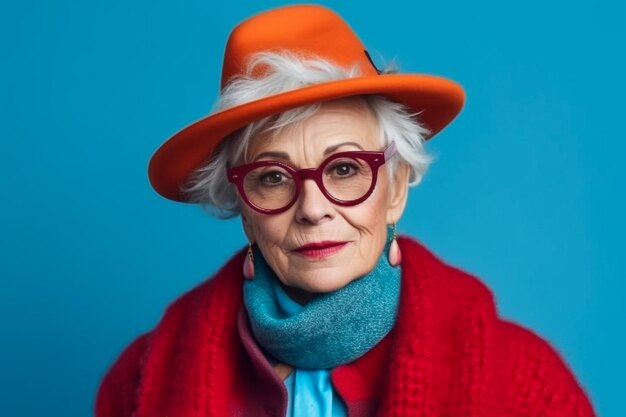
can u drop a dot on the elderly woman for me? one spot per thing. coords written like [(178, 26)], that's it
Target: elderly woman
[(327, 312)]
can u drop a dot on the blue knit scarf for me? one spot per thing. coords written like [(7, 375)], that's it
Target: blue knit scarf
[(332, 329)]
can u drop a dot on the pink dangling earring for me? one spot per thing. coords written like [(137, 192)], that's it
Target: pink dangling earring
[(394, 255), (248, 264)]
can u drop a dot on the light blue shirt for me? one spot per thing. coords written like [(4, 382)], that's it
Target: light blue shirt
[(310, 392)]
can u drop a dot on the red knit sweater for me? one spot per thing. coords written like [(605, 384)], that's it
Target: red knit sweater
[(449, 355)]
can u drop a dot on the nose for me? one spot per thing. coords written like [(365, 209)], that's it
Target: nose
[(312, 206)]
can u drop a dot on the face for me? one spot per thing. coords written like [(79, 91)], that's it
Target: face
[(317, 246)]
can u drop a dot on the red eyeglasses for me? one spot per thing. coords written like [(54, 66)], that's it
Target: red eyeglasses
[(345, 178)]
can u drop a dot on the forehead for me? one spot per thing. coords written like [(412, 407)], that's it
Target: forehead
[(348, 121)]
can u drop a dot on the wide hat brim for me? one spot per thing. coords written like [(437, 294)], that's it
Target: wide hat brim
[(436, 101)]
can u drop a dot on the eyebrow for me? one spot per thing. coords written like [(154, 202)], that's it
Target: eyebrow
[(274, 155), (285, 156), (333, 148)]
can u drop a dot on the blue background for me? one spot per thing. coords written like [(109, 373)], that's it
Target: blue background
[(526, 191)]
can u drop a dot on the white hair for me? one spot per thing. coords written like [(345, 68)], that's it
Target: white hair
[(283, 71)]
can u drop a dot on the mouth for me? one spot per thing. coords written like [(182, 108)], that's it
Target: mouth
[(320, 250)]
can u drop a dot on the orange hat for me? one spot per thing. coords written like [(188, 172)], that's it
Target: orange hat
[(307, 30)]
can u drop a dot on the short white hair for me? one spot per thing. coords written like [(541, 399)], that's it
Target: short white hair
[(283, 71)]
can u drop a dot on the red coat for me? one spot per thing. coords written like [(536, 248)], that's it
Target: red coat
[(449, 354)]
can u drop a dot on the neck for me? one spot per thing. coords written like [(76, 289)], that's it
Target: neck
[(299, 295)]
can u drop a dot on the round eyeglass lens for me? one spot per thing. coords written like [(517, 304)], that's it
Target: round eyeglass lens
[(269, 187), (347, 179)]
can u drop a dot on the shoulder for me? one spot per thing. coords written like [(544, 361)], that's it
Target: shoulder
[(218, 296), (536, 376), (541, 380), (455, 286), (116, 393)]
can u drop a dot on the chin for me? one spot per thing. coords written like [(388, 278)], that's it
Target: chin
[(323, 284)]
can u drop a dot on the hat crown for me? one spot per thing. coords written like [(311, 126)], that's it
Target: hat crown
[(306, 30)]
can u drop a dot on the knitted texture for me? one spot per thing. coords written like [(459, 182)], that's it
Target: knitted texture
[(449, 354), (332, 329)]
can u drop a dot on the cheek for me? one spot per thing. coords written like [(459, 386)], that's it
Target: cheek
[(268, 230), (370, 216), (369, 221)]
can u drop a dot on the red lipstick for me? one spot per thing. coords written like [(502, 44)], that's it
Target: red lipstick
[(320, 250)]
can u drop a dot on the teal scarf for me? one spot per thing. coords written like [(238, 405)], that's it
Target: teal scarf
[(332, 329), (310, 392)]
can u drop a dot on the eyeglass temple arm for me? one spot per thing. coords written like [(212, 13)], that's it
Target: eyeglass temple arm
[(390, 150)]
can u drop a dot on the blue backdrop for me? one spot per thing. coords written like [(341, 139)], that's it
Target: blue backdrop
[(526, 191)]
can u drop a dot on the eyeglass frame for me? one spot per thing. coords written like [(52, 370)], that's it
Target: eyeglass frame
[(375, 160)]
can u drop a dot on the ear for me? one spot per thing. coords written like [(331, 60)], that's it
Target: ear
[(398, 193)]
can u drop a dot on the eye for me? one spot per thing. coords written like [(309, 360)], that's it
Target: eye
[(272, 178), (343, 169)]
